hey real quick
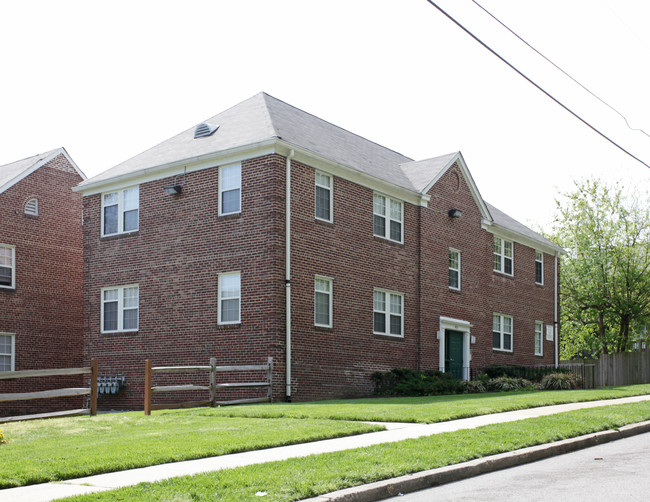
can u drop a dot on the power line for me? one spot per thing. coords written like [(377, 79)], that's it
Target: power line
[(512, 67), (557, 67)]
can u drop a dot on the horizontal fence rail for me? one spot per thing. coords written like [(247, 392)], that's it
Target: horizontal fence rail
[(212, 388), (54, 393)]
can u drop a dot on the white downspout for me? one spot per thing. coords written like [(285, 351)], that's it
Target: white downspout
[(555, 319), (287, 274)]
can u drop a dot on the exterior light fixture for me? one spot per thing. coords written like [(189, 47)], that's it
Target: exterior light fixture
[(173, 189), (455, 213)]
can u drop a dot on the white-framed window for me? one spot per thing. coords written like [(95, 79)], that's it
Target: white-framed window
[(502, 332), (230, 189), (31, 207), (454, 269), (539, 267), (229, 298), (120, 308), (502, 256), (7, 266), (539, 338), (324, 199), (120, 211), (388, 217), (323, 301), (7, 352), (388, 313)]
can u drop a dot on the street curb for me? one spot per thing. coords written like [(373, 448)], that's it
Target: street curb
[(434, 477)]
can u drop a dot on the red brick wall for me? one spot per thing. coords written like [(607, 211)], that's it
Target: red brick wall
[(338, 361), (175, 257), (182, 245), (45, 309), (483, 291)]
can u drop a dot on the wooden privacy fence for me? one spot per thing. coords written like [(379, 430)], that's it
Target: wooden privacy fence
[(65, 392), (213, 369), (623, 368)]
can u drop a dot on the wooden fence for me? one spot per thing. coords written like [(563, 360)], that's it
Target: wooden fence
[(65, 392), (213, 369), (624, 368)]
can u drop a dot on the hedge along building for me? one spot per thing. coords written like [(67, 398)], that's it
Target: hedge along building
[(268, 232), (41, 289)]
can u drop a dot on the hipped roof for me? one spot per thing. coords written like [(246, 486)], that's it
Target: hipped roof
[(263, 119)]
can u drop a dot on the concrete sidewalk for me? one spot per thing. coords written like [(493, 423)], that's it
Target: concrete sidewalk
[(395, 432)]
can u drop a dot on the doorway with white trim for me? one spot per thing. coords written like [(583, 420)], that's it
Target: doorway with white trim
[(454, 338)]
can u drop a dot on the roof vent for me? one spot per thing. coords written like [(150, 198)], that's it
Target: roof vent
[(203, 130)]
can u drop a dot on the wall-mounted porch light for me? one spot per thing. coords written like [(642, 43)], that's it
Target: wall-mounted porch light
[(455, 213), (173, 189), (176, 188)]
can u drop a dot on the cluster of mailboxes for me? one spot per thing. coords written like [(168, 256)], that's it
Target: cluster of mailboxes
[(110, 384)]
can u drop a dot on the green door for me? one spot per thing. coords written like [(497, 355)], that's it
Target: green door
[(454, 353)]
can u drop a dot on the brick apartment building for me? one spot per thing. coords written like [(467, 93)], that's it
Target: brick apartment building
[(193, 249), (41, 279)]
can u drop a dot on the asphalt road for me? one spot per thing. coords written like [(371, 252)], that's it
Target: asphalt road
[(616, 471)]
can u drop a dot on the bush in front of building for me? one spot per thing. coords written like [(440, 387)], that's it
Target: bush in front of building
[(560, 381), (408, 382)]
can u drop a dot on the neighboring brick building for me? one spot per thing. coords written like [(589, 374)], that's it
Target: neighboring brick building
[(41, 279), (393, 262)]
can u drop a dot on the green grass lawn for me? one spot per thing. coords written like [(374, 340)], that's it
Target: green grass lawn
[(64, 448), (427, 409), (301, 478)]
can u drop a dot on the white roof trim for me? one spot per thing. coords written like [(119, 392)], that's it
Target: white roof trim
[(40, 163), (514, 236), (458, 157), (242, 153)]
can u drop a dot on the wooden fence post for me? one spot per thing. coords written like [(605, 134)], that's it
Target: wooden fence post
[(147, 387), (270, 379), (213, 381), (93, 386)]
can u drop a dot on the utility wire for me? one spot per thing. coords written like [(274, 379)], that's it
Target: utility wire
[(512, 67), (557, 67)]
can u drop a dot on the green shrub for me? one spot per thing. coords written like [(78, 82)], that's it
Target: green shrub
[(408, 382), (506, 384), (532, 373), (560, 381), (474, 386)]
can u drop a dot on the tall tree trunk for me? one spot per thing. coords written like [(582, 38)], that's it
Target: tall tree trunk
[(601, 333)]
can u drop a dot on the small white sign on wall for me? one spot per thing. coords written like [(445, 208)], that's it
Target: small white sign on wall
[(549, 332)]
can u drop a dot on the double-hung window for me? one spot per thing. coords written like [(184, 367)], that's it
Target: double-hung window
[(323, 302), (502, 332), (388, 217), (7, 352), (539, 337), (120, 211), (230, 189), (454, 269), (229, 298), (120, 308), (7, 266), (539, 267), (388, 312), (502, 256), (323, 197)]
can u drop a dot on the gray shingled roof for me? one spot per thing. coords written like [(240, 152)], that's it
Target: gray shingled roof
[(262, 118), (9, 173), (265, 118), (502, 219)]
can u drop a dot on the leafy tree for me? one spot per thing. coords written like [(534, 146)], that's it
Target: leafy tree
[(605, 288)]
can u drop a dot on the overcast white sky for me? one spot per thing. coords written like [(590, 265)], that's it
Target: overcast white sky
[(109, 80)]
